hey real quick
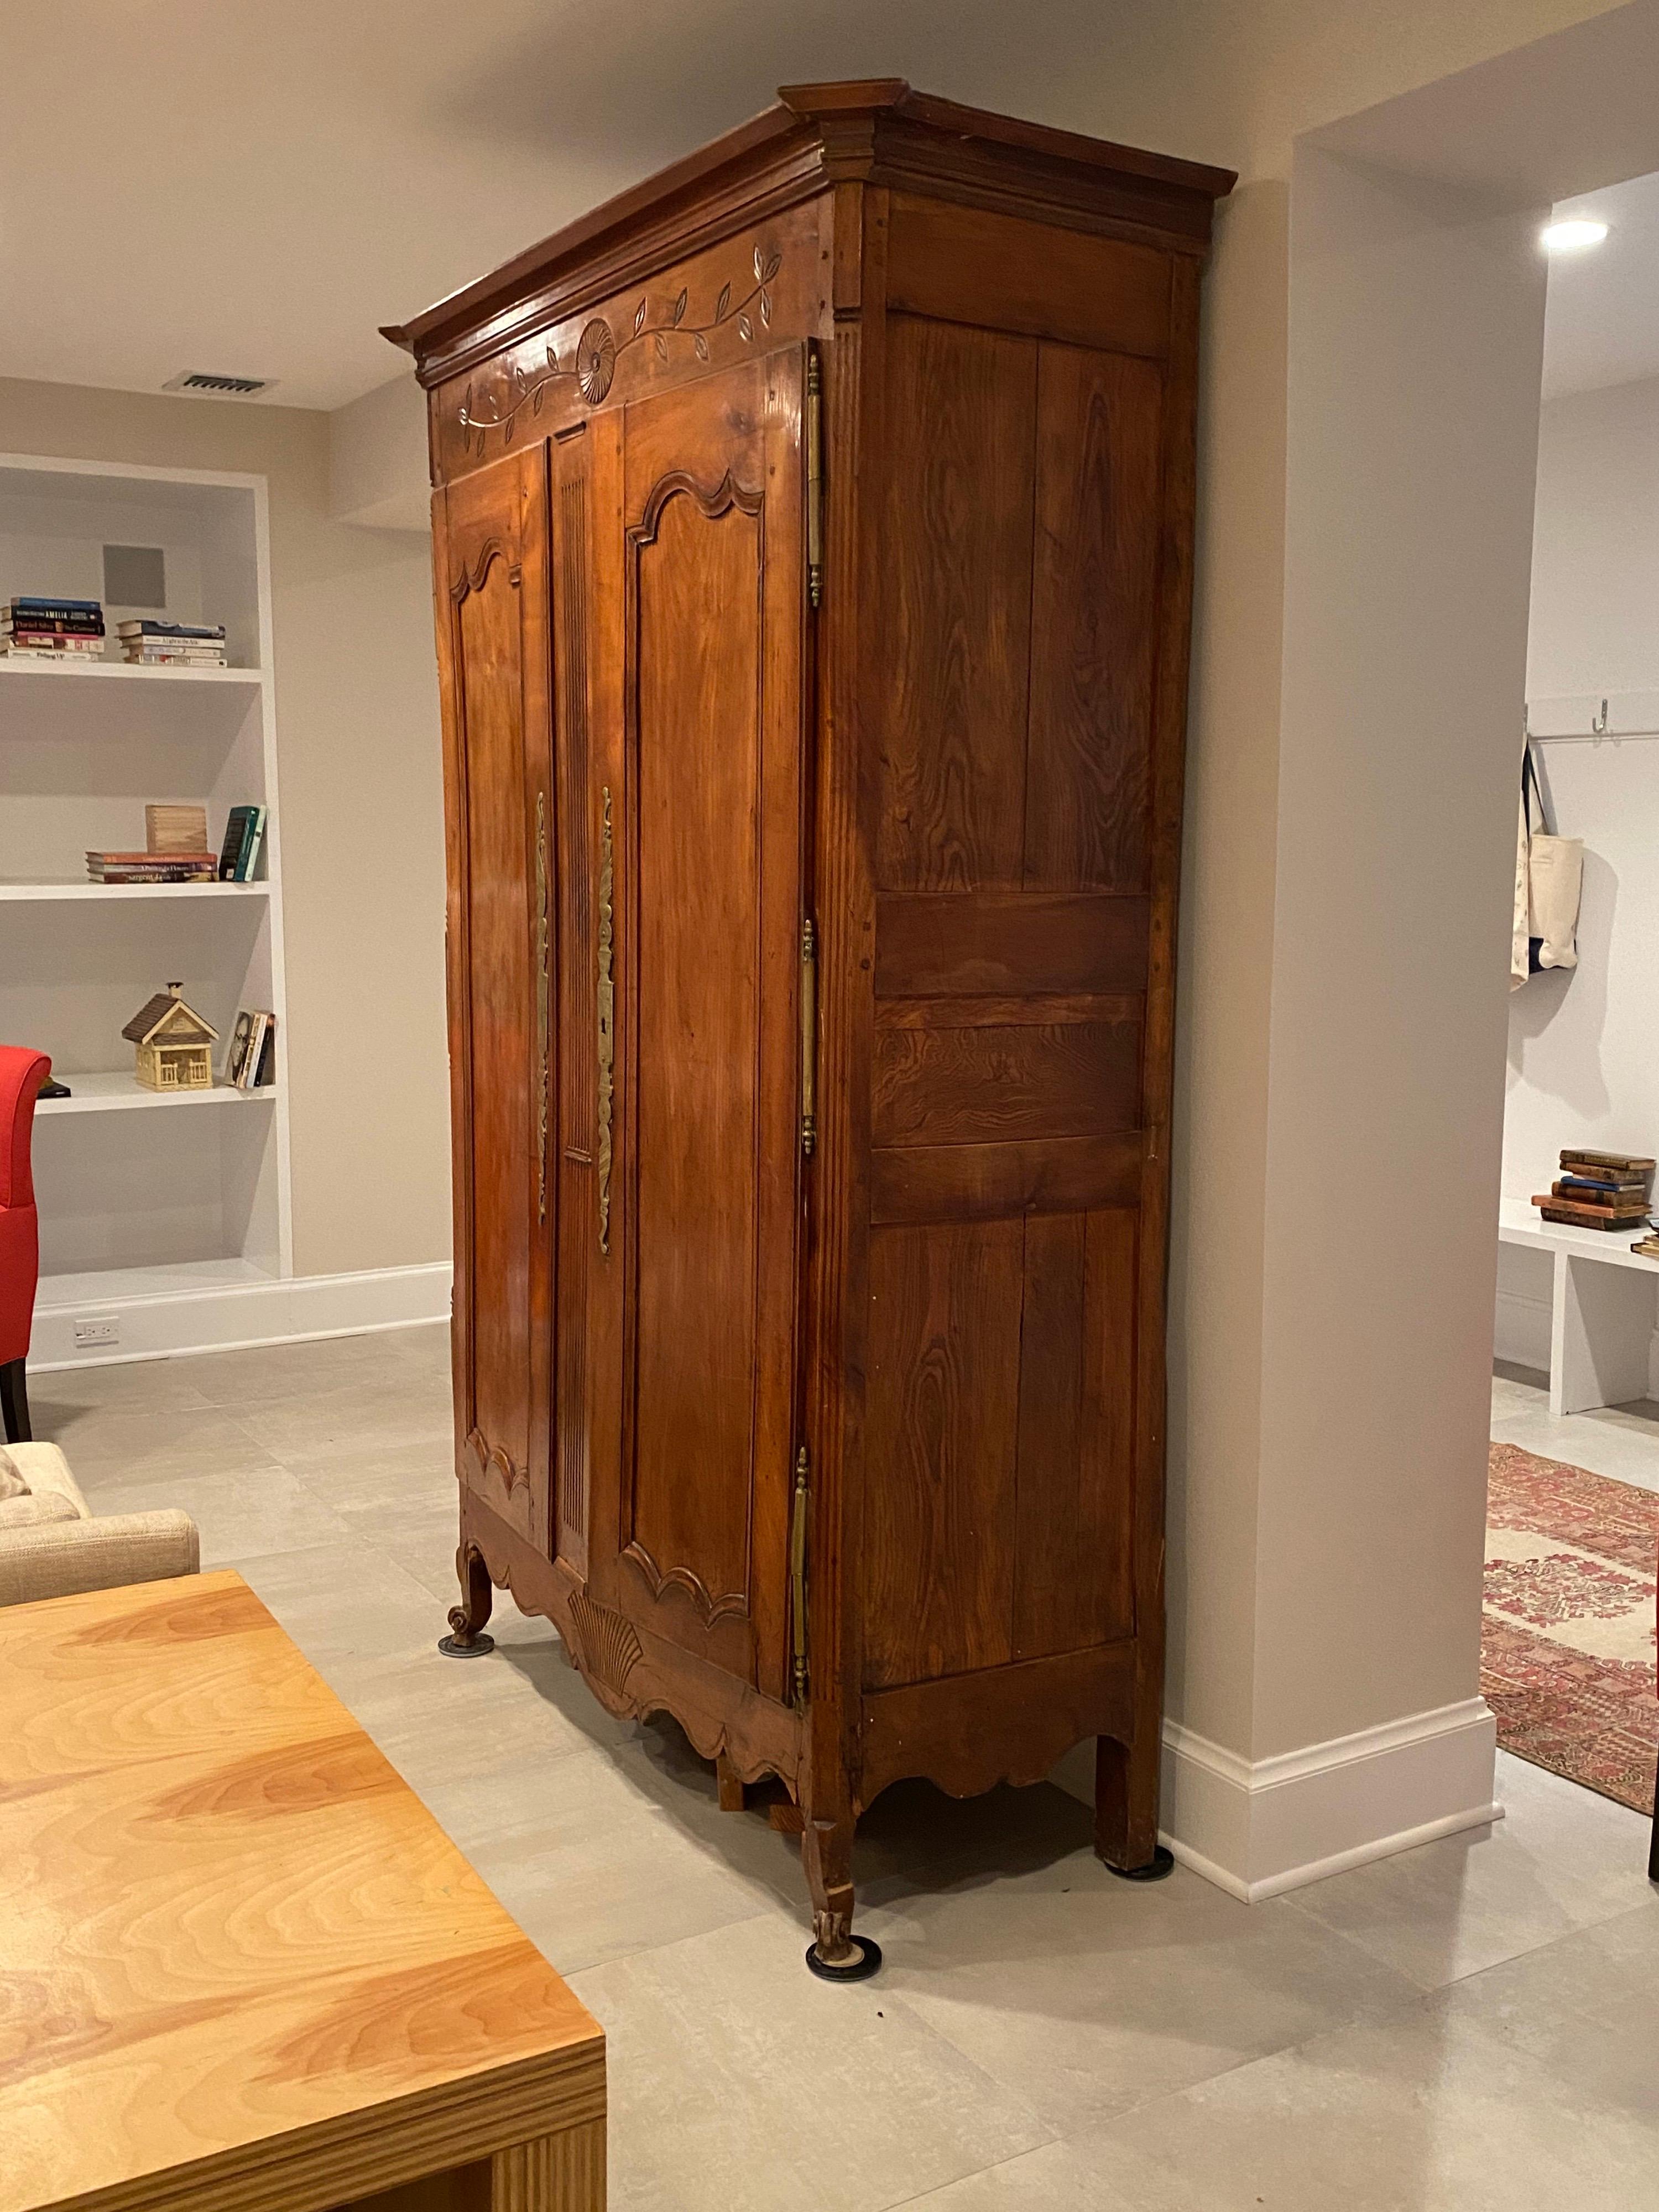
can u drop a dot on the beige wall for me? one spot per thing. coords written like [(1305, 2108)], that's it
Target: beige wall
[(361, 813)]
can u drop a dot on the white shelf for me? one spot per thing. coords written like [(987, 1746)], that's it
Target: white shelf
[(122, 1092), (141, 1207), (107, 1285), (90, 891), (86, 669), (1519, 1223)]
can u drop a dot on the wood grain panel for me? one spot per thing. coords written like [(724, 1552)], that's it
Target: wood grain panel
[(246, 1969), (1043, 1009), (1002, 1724), (957, 578), (968, 265), (1009, 945), (697, 983), (982, 1085), (1094, 633), (1076, 1452), (573, 730), (982, 1183), (942, 1409)]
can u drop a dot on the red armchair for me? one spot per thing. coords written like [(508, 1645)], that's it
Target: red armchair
[(22, 1070)]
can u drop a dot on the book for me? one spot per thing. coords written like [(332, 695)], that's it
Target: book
[(14, 652), (236, 1050), (177, 830), (175, 657), (1626, 1202), (231, 851), (50, 641), (210, 631), (266, 1070), (1595, 1188), (150, 872), (258, 1028), (51, 626), (1582, 1217), (250, 844), (1647, 1246), (244, 833), (1623, 1163), (39, 605)]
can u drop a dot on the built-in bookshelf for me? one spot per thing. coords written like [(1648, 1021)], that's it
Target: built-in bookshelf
[(142, 1194)]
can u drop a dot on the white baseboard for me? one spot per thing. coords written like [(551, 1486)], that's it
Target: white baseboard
[(1256, 1830), (231, 1317), (1520, 1336)]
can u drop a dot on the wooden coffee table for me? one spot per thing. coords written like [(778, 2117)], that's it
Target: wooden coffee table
[(241, 1967)]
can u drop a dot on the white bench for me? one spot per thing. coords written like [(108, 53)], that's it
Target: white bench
[(1603, 1304)]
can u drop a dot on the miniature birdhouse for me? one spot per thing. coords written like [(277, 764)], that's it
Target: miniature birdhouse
[(175, 1045)]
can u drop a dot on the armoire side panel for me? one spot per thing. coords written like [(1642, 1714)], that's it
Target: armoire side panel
[(956, 606), (1073, 1583), (1094, 622), (942, 1420)]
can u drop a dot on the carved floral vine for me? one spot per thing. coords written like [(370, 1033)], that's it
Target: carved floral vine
[(592, 362)]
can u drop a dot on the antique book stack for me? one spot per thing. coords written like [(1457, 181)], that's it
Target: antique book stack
[(48, 629), (178, 645), (1599, 1190), (176, 851)]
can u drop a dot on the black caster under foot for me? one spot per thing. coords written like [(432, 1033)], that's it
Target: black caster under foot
[(475, 1647), (858, 1969), (1160, 1867)]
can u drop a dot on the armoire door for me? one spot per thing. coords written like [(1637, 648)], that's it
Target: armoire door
[(491, 587), (701, 831)]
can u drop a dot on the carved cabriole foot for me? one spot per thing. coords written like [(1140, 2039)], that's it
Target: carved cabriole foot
[(728, 1783), (467, 1638), (836, 1953), (1126, 1810)]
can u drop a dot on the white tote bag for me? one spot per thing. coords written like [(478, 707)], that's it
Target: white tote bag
[(1555, 877)]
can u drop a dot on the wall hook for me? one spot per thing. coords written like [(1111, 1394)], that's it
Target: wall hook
[(1599, 726)]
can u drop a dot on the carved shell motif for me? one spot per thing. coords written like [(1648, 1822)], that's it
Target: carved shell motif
[(596, 360)]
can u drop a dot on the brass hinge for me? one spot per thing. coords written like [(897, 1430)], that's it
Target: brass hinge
[(809, 1037), (814, 479), (798, 1574)]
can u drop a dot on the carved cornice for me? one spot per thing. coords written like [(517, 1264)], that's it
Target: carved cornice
[(593, 364), (880, 132)]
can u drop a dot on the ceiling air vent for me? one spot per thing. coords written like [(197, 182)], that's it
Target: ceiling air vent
[(219, 387)]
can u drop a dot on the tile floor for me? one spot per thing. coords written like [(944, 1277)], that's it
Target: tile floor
[(1621, 1441), (1473, 2027)]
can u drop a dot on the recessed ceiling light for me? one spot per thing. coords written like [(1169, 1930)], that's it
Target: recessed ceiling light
[(1572, 237)]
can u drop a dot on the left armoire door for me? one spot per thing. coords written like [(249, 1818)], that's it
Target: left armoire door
[(492, 588)]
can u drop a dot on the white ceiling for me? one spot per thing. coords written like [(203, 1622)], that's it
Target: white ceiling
[(252, 189), (247, 189), (1601, 322)]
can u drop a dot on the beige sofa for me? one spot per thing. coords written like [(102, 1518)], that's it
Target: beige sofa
[(51, 1542)]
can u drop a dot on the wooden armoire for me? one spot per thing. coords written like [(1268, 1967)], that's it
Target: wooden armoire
[(813, 548)]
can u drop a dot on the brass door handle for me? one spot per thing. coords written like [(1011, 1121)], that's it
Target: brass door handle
[(809, 1037), (607, 1014)]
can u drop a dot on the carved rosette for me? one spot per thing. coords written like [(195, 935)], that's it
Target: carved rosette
[(596, 360)]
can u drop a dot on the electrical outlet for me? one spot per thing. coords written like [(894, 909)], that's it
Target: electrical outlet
[(98, 1328)]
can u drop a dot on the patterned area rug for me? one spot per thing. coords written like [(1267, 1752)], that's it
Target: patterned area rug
[(1567, 1659)]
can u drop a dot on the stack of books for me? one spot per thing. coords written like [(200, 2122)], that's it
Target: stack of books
[(1599, 1190), (52, 629), (172, 645), (251, 1062), (152, 867)]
